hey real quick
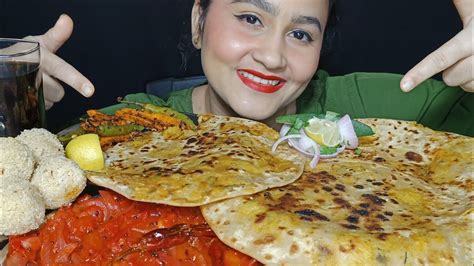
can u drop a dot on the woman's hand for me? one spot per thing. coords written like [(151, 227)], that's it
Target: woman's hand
[(455, 58), (54, 67)]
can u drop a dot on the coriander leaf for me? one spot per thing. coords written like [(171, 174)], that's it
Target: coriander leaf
[(332, 116), (295, 128), (325, 150), (291, 119), (362, 129), (299, 124), (293, 131)]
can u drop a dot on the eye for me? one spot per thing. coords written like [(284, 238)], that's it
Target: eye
[(249, 18), (301, 35)]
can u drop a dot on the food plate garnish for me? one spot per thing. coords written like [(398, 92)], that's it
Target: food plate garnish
[(403, 195), (128, 122), (321, 135)]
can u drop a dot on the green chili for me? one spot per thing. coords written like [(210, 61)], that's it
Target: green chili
[(164, 111), (112, 130), (64, 139)]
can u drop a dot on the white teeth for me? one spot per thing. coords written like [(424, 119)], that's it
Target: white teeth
[(258, 79)]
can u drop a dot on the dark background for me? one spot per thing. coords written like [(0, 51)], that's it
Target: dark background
[(121, 45)]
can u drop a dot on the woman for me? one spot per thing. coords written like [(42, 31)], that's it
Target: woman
[(259, 57)]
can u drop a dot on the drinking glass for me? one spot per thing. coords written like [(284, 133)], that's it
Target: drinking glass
[(21, 87)]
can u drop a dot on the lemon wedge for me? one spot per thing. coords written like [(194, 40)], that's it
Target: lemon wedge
[(85, 150), (324, 132)]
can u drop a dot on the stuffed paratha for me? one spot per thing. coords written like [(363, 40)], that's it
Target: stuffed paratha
[(407, 199), (223, 158)]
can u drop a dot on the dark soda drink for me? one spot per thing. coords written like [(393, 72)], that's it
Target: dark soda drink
[(21, 97)]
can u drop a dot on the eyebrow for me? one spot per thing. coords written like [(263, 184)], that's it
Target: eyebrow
[(307, 20), (262, 4), (272, 9)]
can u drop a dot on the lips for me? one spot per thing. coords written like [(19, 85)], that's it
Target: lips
[(259, 81)]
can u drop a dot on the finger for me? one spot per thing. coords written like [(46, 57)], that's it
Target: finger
[(53, 90), (58, 68), (465, 9), (460, 73), (439, 60), (55, 37), (469, 86), (48, 104)]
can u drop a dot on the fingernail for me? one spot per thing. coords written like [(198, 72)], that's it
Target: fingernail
[(60, 17), (407, 86), (87, 90)]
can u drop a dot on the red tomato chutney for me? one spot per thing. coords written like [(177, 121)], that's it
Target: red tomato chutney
[(112, 230)]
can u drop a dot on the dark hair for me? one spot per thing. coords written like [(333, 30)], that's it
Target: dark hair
[(204, 7), (186, 48)]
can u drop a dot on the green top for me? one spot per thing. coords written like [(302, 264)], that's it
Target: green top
[(361, 95)]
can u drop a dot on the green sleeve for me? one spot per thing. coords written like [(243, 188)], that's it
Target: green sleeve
[(362, 95), (181, 100)]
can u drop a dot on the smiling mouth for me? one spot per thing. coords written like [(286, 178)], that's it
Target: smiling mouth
[(259, 81)]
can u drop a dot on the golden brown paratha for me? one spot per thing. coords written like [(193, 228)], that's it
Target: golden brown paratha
[(406, 200), (225, 157)]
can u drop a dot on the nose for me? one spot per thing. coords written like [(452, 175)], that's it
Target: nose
[(271, 53)]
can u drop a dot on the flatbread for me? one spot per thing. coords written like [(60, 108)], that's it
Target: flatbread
[(406, 200), (224, 158)]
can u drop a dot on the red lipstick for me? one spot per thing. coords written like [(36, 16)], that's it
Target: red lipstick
[(265, 88)]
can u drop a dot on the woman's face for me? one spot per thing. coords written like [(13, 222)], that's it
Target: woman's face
[(259, 55)]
